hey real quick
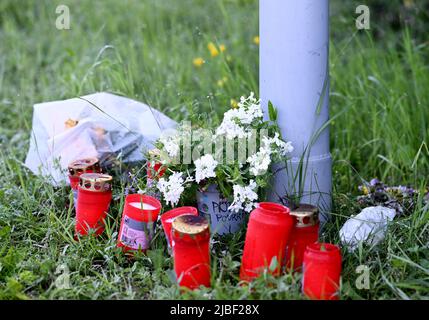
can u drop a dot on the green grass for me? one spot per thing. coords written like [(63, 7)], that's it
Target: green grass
[(144, 49)]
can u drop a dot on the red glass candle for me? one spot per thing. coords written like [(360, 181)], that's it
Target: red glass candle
[(304, 232), (94, 196), (190, 236), (321, 271), (168, 217), (267, 235), (138, 221)]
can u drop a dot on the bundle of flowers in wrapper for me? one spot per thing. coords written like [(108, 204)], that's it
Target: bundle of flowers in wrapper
[(235, 156), (403, 199)]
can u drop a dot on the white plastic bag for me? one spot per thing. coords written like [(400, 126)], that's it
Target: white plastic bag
[(99, 125), (369, 226)]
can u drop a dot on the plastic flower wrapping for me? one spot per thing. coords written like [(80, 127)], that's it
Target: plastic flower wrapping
[(236, 156)]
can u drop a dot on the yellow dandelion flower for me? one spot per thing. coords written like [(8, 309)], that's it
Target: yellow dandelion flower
[(409, 3), (222, 48), (221, 82), (213, 50), (256, 40), (198, 62), (234, 103)]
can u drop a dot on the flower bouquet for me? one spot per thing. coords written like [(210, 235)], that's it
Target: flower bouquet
[(403, 199), (226, 169)]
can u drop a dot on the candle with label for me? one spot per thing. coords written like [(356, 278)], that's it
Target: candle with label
[(138, 222), (191, 251), (321, 271), (94, 196), (168, 217)]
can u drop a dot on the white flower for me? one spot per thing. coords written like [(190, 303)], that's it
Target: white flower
[(279, 145), (285, 148), (205, 168), (244, 197), (235, 120), (171, 143), (172, 188), (260, 161), (230, 126)]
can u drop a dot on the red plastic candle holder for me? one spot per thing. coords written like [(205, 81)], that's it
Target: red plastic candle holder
[(94, 196), (304, 232), (268, 232), (138, 222), (168, 217), (321, 271), (190, 236), (155, 170)]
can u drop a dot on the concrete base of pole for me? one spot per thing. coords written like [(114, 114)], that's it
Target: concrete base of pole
[(317, 172)]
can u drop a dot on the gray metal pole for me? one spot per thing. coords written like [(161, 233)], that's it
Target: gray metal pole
[(294, 52)]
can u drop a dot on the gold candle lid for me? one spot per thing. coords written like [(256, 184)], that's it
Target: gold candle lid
[(96, 182), (190, 225), (306, 215), (80, 166)]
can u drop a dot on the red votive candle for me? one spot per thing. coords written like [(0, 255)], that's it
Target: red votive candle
[(321, 271), (138, 222), (94, 196), (267, 235), (168, 217), (155, 170), (304, 232), (190, 236)]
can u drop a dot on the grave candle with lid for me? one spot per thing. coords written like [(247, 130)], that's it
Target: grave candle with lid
[(305, 232), (191, 251), (168, 217), (138, 222), (94, 196), (79, 167)]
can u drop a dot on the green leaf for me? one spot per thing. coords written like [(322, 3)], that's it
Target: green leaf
[(272, 111), (273, 264)]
